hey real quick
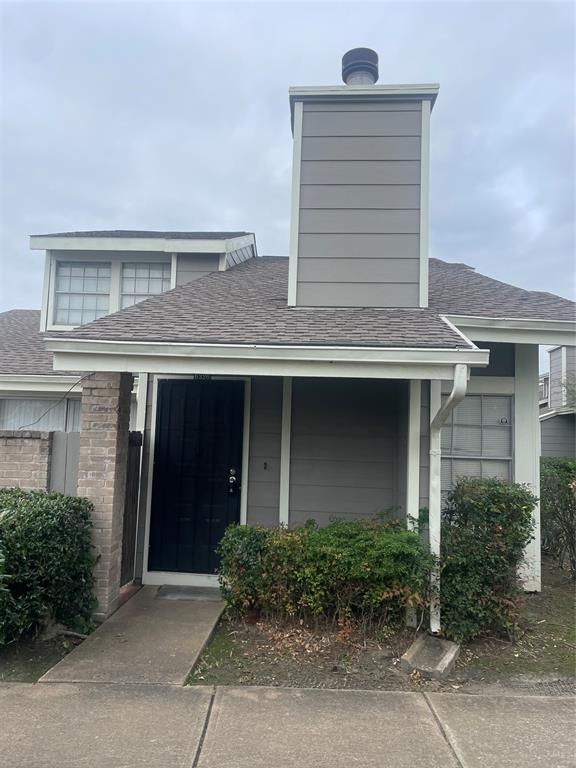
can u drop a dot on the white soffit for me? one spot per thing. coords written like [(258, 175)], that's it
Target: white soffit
[(516, 330)]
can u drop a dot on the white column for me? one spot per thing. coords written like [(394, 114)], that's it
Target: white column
[(413, 458), (527, 451), (284, 512)]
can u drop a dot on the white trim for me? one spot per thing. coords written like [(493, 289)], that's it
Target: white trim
[(285, 451), (557, 412), (486, 385), (45, 292), (189, 579), (114, 297), (161, 244), (173, 270), (141, 401), (222, 262), (564, 377), (413, 456), (527, 451), (245, 471), (38, 384), (295, 205), (424, 185), (516, 330), (176, 579)]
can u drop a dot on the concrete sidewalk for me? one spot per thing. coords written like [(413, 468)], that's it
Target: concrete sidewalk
[(64, 725), (150, 639)]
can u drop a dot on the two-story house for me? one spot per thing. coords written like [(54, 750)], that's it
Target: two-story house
[(356, 375), (557, 395)]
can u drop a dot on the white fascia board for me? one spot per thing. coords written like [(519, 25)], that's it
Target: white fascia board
[(163, 245), (37, 383), (516, 330), (268, 361), (556, 412)]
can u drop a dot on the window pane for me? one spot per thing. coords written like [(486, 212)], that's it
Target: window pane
[(497, 441), (84, 296), (497, 410), (467, 440), (140, 280), (469, 411), (462, 468), (498, 469)]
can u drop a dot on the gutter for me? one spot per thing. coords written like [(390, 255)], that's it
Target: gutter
[(442, 412)]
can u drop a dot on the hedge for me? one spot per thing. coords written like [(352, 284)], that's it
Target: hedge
[(485, 528), (367, 572), (45, 561), (558, 510)]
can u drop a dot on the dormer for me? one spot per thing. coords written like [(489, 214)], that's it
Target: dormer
[(359, 222), (91, 274)]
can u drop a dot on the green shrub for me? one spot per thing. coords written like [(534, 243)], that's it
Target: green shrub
[(367, 572), (45, 561), (486, 526), (558, 510)]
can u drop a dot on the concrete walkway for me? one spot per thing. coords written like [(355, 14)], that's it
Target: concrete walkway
[(151, 639), (66, 725)]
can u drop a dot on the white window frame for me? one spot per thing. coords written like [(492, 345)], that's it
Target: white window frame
[(479, 456), (54, 257)]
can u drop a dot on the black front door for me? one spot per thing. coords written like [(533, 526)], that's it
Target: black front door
[(198, 448)]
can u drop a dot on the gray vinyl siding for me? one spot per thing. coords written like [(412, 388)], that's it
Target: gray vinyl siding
[(359, 219), (502, 360), (556, 388), (264, 462), (344, 448), (558, 435), (191, 266)]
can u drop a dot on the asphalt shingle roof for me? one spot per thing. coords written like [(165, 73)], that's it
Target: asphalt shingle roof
[(22, 348), (457, 289), (247, 305), (150, 234)]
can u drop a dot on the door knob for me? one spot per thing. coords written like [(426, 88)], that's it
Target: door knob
[(232, 482)]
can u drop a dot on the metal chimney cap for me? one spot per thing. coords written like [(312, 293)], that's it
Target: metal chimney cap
[(360, 64)]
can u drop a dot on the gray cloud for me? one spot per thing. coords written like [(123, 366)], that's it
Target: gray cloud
[(161, 115)]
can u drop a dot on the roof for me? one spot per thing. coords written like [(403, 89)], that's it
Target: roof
[(457, 289), (247, 305), (22, 348), (135, 233)]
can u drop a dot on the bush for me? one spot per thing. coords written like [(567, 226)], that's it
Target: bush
[(486, 526), (558, 510), (45, 561), (367, 572)]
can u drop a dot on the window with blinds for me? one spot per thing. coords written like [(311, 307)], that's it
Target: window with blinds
[(82, 292), (139, 281), (477, 439)]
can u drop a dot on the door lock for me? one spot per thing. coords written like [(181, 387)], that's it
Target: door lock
[(232, 482)]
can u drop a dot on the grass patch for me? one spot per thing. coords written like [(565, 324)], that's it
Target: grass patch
[(26, 660)]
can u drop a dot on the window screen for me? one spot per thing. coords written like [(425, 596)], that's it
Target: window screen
[(477, 439), (82, 292), (139, 281)]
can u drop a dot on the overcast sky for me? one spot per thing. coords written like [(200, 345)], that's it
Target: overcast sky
[(175, 116)]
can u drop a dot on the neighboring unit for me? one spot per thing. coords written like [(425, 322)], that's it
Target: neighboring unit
[(557, 390)]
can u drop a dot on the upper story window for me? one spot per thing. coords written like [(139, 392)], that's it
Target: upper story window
[(82, 292), (141, 280)]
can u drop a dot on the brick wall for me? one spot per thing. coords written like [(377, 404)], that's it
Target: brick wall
[(102, 475), (25, 459)]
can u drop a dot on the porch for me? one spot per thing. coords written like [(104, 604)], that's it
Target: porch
[(270, 450)]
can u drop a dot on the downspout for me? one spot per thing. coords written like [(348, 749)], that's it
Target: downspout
[(435, 502)]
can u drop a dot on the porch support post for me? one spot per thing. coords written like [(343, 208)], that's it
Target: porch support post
[(284, 511), (527, 451), (413, 461), (438, 415), (104, 428)]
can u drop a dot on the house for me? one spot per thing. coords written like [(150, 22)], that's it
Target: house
[(354, 376), (557, 395)]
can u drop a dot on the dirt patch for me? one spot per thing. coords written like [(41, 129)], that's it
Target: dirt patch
[(26, 660), (542, 660)]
